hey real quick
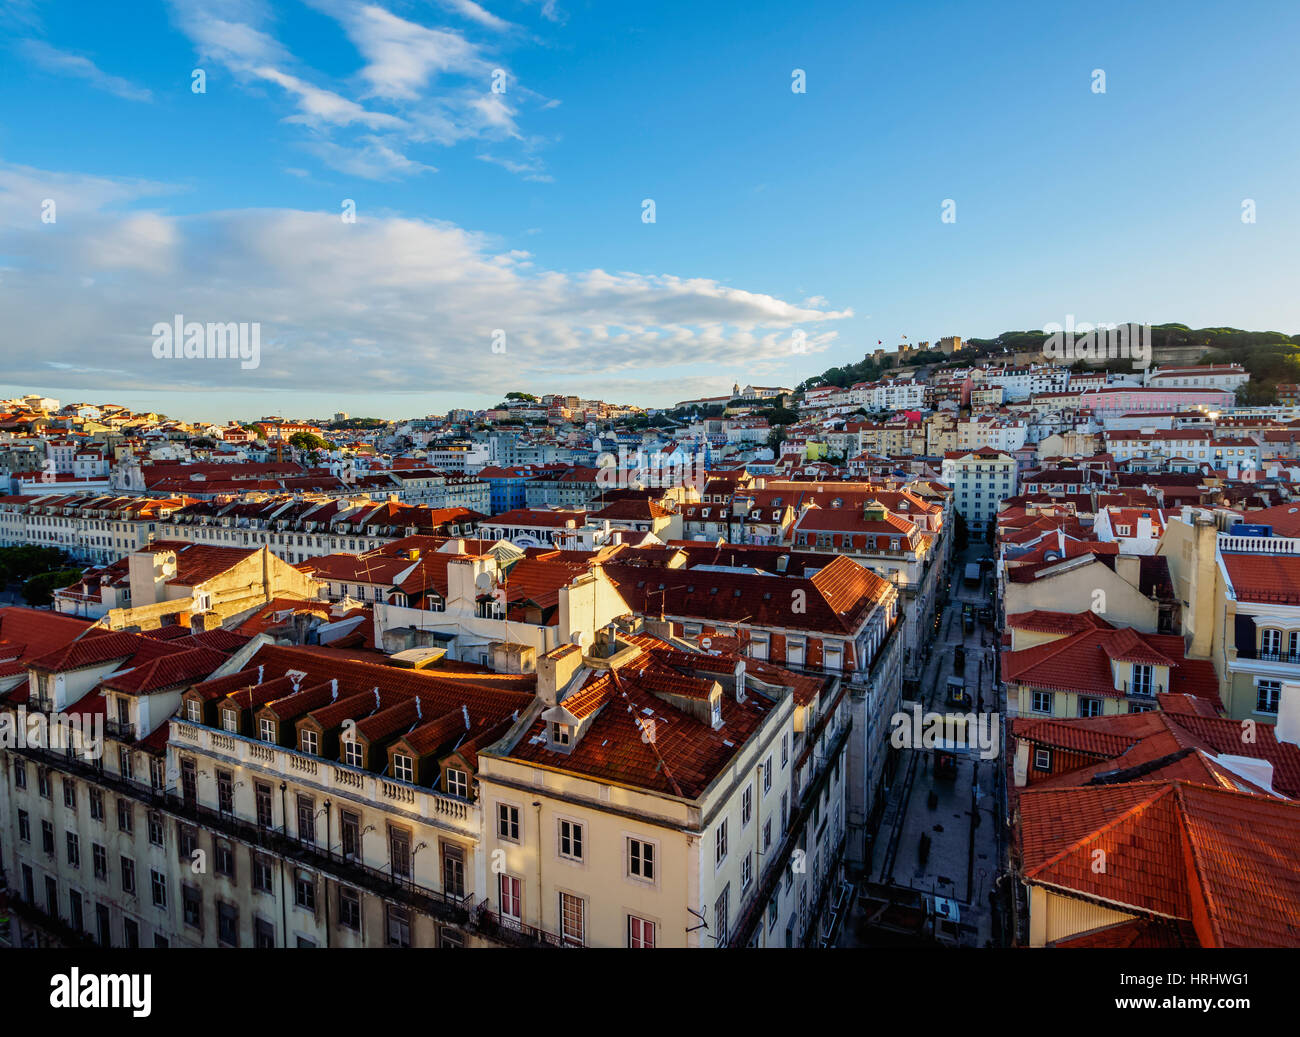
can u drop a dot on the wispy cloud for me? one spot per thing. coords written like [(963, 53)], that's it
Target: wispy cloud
[(418, 85), (75, 66)]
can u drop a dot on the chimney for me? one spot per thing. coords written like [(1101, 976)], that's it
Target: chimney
[(554, 671)]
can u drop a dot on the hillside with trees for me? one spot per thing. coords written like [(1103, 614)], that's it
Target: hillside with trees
[(1271, 357)]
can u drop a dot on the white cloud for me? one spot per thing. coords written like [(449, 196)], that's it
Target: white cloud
[(424, 85), (63, 63), (386, 303), (403, 57), (324, 106)]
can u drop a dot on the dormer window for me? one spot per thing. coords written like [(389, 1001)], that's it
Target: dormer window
[(266, 729), (230, 720), (457, 783), (309, 742), (353, 755), (193, 712), (561, 735), (403, 767)]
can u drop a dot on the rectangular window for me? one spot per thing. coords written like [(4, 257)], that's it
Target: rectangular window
[(20, 774), (350, 908), (571, 840), (224, 862), (746, 806), (573, 928), (1089, 707), (641, 859), (99, 859), (399, 852), (304, 890), (350, 833), (640, 933), (228, 926), (225, 792), (403, 767), (128, 875), (398, 926), (192, 906), (746, 870), (266, 729), (306, 819), (510, 895), (73, 846), (69, 793), (1267, 696), (721, 915), (194, 711), (155, 828), (262, 873), (1041, 702), (24, 826), (352, 754), (508, 822), (262, 794), (720, 845), (453, 871), (310, 742), (457, 783), (125, 762), (767, 775), (1042, 759), (158, 887)]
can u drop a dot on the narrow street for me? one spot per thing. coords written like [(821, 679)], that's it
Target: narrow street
[(958, 813)]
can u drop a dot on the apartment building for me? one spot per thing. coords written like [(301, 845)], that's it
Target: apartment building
[(719, 822), (172, 583), (1206, 376), (1099, 670), (980, 480), (299, 527), (85, 847), (1241, 608), (988, 430), (91, 528)]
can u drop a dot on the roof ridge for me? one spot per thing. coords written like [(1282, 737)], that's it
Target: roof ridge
[(1136, 808)]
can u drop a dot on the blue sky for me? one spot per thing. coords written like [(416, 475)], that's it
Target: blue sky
[(521, 212)]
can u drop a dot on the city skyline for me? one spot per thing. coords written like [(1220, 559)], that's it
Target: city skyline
[(499, 159)]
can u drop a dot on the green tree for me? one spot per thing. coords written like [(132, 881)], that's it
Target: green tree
[(308, 441), (39, 590)]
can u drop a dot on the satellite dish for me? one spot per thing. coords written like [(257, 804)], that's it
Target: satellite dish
[(483, 581)]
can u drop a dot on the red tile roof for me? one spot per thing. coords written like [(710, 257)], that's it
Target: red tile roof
[(1227, 862)]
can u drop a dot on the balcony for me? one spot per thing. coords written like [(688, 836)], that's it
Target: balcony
[(122, 730), (447, 907), (1259, 655)]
